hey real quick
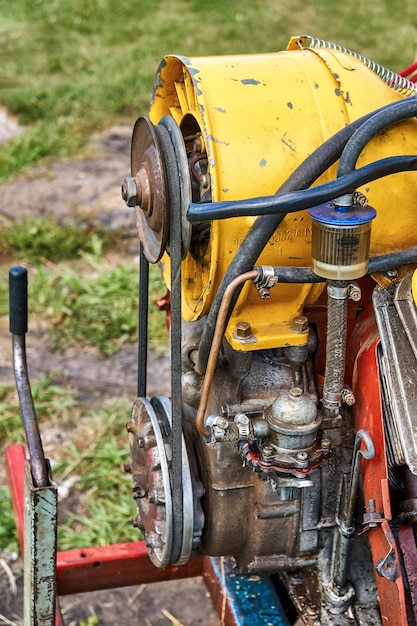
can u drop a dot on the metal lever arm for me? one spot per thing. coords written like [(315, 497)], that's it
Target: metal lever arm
[(18, 327)]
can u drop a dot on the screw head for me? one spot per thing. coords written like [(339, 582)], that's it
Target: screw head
[(268, 451), (348, 397), (355, 292), (138, 492)]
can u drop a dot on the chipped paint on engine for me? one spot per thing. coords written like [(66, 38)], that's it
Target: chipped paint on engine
[(250, 81), (214, 140)]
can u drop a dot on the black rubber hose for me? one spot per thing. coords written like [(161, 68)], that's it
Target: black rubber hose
[(380, 121), (264, 227), (393, 260), (381, 263), (305, 198)]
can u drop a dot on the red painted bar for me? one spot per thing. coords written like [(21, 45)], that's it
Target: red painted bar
[(15, 466), (59, 619), (118, 565)]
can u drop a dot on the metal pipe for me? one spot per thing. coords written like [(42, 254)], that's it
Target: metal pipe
[(30, 421), (347, 526), (215, 347), (338, 292)]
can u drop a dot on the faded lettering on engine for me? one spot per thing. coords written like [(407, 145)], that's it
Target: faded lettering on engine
[(281, 236), (289, 234)]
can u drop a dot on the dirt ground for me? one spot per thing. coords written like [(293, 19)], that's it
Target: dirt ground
[(70, 190)]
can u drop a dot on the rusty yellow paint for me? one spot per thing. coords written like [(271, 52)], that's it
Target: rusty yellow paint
[(260, 117)]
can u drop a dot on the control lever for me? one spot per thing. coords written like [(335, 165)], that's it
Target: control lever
[(41, 496), (18, 291)]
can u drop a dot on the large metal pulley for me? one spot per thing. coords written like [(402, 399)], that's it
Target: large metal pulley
[(159, 185), (151, 467)]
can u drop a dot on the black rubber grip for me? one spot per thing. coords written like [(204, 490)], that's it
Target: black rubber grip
[(18, 300)]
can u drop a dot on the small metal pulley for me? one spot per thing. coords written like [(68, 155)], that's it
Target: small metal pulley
[(159, 181), (146, 190)]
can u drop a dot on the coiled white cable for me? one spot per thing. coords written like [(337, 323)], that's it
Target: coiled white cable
[(391, 78)]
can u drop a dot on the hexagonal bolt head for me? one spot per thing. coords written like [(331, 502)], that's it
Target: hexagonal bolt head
[(130, 191), (243, 330), (299, 324)]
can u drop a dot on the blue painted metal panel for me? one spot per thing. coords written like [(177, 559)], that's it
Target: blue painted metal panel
[(252, 599)]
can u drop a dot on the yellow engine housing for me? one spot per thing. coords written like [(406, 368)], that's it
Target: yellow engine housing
[(260, 116)]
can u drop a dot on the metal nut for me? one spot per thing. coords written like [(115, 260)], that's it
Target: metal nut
[(130, 191), (138, 492), (243, 330), (299, 324)]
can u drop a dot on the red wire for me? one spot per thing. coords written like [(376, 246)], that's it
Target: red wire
[(410, 70)]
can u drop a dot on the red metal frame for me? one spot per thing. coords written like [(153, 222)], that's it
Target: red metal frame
[(15, 466), (368, 415), (118, 565)]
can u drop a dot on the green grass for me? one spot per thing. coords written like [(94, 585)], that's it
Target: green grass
[(8, 535), (84, 302), (79, 65), (105, 507), (96, 454), (40, 238), (51, 401), (53, 405), (98, 310)]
